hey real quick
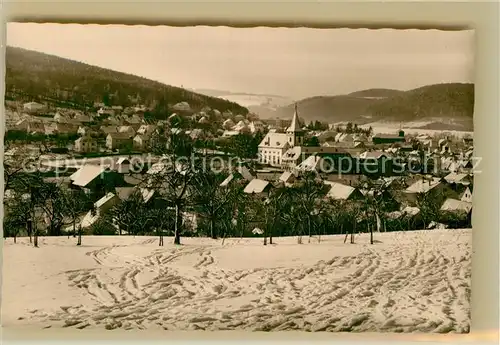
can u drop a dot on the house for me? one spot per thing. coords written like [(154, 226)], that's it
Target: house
[(105, 111), (60, 118), (123, 165), (21, 125), (118, 140), (228, 134), (460, 178), (51, 128), (241, 173), (81, 119), (454, 205), (33, 107), (101, 206), (274, 145), (141, 142), (314, 163), (241, 127), (36, 127), (388, 138), (256, 126), (228, 124), (66, 128), (94, 178), (287, 178), (466, 195), (203, 121), (85, 144), (257, 186), (146, 130), (344, 138), (339, 191), (425, 186), (129, 130), (108, 129)]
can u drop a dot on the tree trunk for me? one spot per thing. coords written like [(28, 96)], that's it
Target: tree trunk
[(212, 228), (309, 228), (74, 228), (178, 220), (79, 242), (371, 235), (29, 229), (36, 238), (160, 235), (352, 233), (15, 237)]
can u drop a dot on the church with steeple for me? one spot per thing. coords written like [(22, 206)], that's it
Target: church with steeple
[(274, 145)]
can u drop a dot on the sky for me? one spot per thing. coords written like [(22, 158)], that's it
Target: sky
[(293, 62)]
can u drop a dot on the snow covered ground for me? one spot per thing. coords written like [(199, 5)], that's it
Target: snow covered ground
[(416, 281)]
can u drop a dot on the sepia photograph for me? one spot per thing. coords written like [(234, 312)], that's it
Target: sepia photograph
[(214, 178)]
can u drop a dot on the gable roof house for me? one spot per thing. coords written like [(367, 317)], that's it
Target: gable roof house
[(146, 129), (33, 107), (287, 178), (101, 206), (258, 186), (241, 173), (85, 144), (118, 140), (95, 179), (141, 142), (66, 128), (431, 186), (466, 195), (36, 127), (108, 129), (339, 191), (129, 130)]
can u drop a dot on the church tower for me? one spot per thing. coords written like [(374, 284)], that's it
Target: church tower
[(295, 134)]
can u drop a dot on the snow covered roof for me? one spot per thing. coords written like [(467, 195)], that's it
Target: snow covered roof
[(87, 174), (455, 177), (274, 140), (256, 186), (339, 191), (227, 181), (104, 200), (456, 205), (286, 177), (423, 186)]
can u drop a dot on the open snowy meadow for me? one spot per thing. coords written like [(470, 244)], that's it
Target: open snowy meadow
[(415, 281)]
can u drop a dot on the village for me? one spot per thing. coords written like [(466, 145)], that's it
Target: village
[(289, 179)]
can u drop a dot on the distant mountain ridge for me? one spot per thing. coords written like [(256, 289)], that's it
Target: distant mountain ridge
[(437, 101), (32, 75)]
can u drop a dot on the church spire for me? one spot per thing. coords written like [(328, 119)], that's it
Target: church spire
[(295, 125)]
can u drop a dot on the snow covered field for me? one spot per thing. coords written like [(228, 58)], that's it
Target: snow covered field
[(406, 282)]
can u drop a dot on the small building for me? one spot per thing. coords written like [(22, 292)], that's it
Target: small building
[(141, 142), (146, 130), (339, 191), (33, 107), (258, 186), (65, 128), (381, 138), (118, 141), (36, 127), (466, 195), (129, 130), (94, 179), (85, 144), (123, 165)]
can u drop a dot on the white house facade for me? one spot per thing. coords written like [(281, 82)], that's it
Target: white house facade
[(274, 145)]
